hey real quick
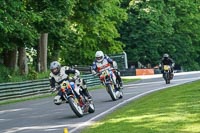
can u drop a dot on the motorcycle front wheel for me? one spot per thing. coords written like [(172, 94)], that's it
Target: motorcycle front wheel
[(111, 91), (91, 107), (167, 78), (75, 106)]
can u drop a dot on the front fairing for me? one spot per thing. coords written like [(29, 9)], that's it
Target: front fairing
[(66, 88), (106, 77)]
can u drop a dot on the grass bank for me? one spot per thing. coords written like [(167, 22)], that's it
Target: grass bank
[(173, 110)]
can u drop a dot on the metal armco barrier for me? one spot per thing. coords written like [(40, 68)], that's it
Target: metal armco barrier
[(91, 80), (35, 87)]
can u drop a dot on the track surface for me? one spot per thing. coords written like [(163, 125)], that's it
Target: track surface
[(42, 116)]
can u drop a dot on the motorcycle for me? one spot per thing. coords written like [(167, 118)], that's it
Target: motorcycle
[(78, 106), (108, 79), (167, 74)]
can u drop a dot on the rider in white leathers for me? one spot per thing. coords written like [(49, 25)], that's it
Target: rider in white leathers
[(59, 73), (102, 61)]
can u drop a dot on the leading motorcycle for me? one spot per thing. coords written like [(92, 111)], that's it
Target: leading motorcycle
[(78, 105), (167, 74)]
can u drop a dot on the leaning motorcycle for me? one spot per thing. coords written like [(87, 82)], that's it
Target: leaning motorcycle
[(78, 106), (108, 79), (167, 74)]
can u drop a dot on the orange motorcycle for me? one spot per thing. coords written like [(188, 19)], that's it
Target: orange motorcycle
[(78, 105), (108, 79)]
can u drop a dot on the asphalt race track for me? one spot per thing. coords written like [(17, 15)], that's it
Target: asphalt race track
[(42, 116)]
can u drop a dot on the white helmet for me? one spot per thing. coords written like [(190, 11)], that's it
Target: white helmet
[(166, 56), (99, 56)]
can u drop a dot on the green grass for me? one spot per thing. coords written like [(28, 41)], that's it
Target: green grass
[(130, 80), (25, 99), (173, 110)]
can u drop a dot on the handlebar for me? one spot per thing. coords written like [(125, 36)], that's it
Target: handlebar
[(99, 73)]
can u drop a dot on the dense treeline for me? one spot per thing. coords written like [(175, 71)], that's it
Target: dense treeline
[(155, 27), (33, 33)]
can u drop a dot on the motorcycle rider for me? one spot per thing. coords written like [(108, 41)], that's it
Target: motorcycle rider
[(166, 60), (103, 61), (59, 73)]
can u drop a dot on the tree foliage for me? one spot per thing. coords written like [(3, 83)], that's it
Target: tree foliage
[(155, 27), (93, 27), (15, 24), (16, 31), (144, 29)]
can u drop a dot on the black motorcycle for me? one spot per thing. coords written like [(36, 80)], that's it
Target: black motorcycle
[(167, 74)]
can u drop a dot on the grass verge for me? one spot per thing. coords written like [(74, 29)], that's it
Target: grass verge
[(4, 102), (173, 110)]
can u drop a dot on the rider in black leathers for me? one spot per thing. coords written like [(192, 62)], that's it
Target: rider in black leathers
[(166, 60)]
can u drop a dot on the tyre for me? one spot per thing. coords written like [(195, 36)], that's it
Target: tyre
[(167, 78), (75, 106), (91, 107), (111, 91)]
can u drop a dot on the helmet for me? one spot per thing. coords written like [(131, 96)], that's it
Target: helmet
[(55, 67), (166, 56), (99, 56)]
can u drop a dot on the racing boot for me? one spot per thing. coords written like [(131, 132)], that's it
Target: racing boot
[(119, 80), (85, 90), (57, 100), (87, 94)]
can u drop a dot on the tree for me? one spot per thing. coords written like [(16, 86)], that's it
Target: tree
[(93, 27), (147, 29), (16, 31), (54, 15), (156, 27), (186, 37)]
